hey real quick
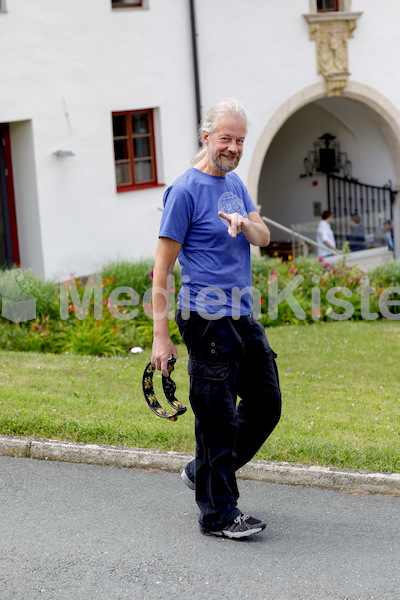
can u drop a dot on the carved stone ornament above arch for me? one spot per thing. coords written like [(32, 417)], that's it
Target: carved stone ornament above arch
[(331, 30)]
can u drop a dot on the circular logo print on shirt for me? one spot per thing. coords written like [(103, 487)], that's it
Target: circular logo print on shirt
[(229, 203)]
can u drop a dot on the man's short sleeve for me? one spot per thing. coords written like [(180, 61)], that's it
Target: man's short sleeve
[(250, 206), (177, 215), (242, 192)]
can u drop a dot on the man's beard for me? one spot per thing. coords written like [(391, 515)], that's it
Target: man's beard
[(226, 166)]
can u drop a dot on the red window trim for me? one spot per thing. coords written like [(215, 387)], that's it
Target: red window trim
[(10, 193), (142, 186), (126, 5), (335, 9), (147, 184)]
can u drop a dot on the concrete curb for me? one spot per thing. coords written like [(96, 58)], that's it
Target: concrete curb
[(345, 480)]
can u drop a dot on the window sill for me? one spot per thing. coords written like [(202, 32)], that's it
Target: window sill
[(336, 15), (136, 188)]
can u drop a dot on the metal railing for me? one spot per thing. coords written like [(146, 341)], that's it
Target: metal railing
[(303, 240), (348, 196)]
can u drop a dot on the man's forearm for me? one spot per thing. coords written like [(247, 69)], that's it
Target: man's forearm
[(162, 343), (256, 233), (161, 291), (166, 254)]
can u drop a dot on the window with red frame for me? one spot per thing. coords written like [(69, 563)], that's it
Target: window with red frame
[(327, 5), (134, 149), (126, 3)]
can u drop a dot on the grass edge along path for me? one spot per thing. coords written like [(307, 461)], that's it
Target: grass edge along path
[(340, 385)]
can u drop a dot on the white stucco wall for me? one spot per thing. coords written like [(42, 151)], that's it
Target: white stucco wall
[(272, 67), (375, 48), (66, 65), (72, 64), (261, 55)]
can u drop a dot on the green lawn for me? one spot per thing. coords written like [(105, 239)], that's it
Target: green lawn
[(340, 384)]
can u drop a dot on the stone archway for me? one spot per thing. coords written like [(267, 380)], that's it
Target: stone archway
[(381, 110)]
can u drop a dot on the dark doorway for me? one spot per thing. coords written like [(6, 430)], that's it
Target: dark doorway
[(9, 253)]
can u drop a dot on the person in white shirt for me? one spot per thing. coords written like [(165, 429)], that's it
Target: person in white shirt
[(325, 235), (388, 229)]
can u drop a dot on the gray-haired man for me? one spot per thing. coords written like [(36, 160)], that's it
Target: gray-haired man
[(208, 223)]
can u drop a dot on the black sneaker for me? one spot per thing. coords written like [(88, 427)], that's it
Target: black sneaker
[(242, 526), (186, 479)]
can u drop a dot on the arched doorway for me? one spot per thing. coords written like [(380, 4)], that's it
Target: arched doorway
[(365, 123)]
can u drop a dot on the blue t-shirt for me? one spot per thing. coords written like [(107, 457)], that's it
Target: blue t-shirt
[(215, 268)]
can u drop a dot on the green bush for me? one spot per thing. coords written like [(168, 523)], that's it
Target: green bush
[(110, 335), (136, 275), (46, 293), (95, 338), (34, 336), (386, 275)]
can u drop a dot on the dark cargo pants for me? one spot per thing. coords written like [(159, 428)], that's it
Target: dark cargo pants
[(227, 358)]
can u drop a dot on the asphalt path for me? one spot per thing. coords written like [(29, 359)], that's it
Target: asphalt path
[(76, 531)]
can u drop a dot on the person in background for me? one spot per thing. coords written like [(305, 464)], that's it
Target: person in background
[(388, 229), (356, 238), (325, 235)]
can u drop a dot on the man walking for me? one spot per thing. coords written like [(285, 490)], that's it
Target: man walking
[(208, 223)]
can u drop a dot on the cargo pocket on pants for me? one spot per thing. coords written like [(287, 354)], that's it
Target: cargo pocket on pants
[(208, 371), (209, 389)]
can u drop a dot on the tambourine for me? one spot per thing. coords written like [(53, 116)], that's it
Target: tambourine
[(169, 388)]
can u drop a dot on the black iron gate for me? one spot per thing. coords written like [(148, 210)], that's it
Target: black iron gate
[(374, 204)]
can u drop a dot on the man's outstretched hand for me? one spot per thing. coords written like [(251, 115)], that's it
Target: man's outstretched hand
[(236, 223)]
